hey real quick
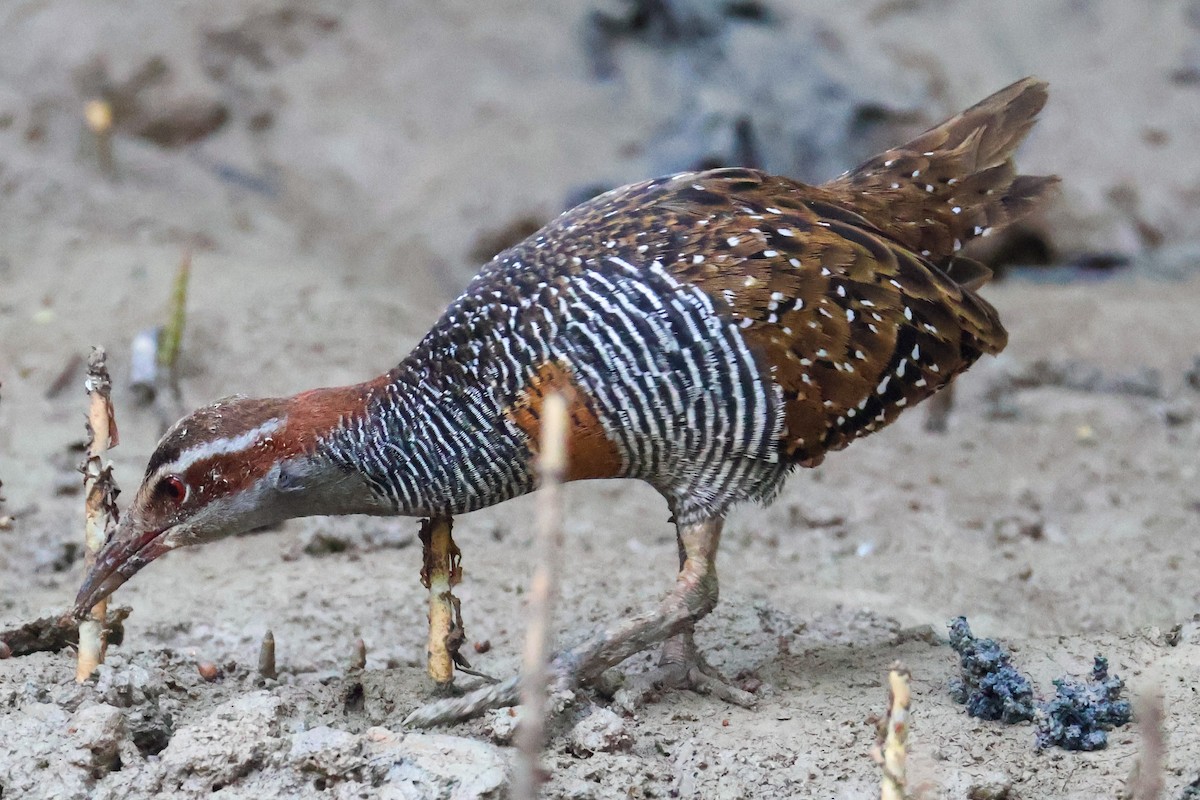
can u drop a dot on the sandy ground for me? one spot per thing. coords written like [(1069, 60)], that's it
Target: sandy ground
[(363, 154)]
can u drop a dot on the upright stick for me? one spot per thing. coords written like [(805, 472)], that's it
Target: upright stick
[(891, 746), (100, 504), (266, 657), (531, 731), (1146, 781), (441, 570)]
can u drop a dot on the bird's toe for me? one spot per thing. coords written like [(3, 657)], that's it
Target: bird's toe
[(681, 667)]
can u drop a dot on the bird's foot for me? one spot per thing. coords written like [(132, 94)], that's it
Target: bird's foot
[(693, 596), (680, 667), (499, 694), (470, 705), (569, 670)]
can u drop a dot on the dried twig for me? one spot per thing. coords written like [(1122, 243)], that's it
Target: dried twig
[(891, 742), (51, 634), (441, 570), (1146, 780), (100, 499), (530, 733)]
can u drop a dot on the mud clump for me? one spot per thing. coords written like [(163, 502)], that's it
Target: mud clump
[(1081, 713), (1077, 718), (99, 732), (990, 687), (600, 731)]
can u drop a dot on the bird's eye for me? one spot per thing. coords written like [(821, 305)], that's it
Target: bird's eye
[(173, 488)]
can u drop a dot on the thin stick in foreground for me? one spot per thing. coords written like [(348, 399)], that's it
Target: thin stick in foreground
[(441, 570), (891, 745), (1148, 776), (530, 734), (100, 494)]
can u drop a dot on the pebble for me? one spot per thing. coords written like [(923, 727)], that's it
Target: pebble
[(501, 724), (998, 789), (600, 731), (99, 731)]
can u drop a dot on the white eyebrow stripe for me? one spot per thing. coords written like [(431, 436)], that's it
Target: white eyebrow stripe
[(220, 447)]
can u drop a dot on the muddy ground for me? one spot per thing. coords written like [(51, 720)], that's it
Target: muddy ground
[(339, 170)]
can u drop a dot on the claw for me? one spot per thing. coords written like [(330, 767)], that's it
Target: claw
[(681, 667)]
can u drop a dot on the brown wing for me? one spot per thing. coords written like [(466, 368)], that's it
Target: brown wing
[(853, 293), (849, 323), (954, 182)]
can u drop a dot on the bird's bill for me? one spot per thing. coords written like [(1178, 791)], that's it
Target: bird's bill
[(116, 563)]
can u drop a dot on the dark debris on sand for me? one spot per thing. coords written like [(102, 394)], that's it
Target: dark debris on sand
[(990, 686), (1081, 713), (1078, 717)]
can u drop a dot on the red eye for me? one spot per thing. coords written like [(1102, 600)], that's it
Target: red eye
[(173, 488)]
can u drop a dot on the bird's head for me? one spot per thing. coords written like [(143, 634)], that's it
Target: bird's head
[(230, 467)]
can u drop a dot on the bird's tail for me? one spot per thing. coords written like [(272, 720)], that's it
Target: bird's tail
[(954, 182)]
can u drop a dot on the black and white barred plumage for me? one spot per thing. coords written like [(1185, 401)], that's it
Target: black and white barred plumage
[(670, 378)]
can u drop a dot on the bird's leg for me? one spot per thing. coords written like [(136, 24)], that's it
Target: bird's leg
[(693, 596), (680, 664)]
